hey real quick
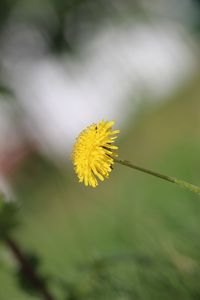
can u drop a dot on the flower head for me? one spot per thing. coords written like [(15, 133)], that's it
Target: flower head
[(93, 152)]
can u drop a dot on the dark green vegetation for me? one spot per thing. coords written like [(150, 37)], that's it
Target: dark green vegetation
[(133, 237)]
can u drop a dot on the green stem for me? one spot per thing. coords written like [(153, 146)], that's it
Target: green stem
[(179, 182)]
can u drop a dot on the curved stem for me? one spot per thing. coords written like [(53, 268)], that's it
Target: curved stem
[(179, 182)]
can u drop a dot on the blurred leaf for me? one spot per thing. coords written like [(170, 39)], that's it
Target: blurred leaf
[(24, 282), (8, 217), (5, 91)]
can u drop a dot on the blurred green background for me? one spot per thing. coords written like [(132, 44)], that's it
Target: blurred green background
[(135, 236)]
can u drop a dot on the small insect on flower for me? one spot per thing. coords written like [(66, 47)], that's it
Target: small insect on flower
[(93, 152)]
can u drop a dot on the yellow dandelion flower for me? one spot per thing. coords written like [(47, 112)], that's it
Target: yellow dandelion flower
[(93, 153)]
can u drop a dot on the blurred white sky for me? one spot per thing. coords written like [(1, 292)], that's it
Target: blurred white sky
[(116, 68)]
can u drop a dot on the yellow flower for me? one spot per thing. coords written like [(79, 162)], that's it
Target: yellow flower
[(93, 153)]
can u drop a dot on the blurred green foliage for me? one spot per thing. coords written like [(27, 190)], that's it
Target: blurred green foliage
[(71, 19), (9, 218)]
